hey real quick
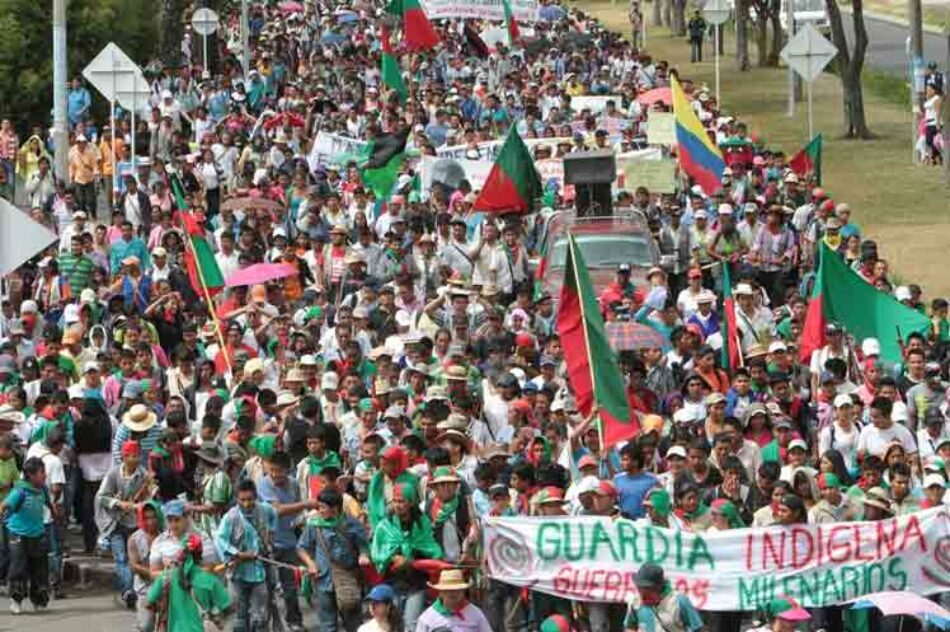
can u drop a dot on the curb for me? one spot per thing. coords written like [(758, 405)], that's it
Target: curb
[(890, 19), (87, 573)]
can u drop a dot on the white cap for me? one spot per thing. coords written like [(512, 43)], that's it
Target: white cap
[(683, 416), (330, 381), (843, 400), (79, 215), (776, 346), (278, 232), (932, 480), (71, 314), (166, 94), (676, 450), (308, 360), (899, 412), (159, 252), (744, 289), (700, 214), (902, 293), (81, 138), (588, 484), (28, 307), (725, 209), (403, 318), (798, 443), (870, 347), (91, 366), (87, 296)]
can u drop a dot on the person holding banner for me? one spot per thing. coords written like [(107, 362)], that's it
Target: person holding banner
[(658, 607)]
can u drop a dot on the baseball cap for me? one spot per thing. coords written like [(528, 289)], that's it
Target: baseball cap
[(787, 609), (676, 451), (798, 443), (934, 480), (777, 346), (843, 400), (381, 592)]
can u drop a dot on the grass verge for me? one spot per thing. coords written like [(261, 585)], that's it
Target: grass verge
[(902, 205)]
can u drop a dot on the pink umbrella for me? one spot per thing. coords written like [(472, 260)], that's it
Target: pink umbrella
[(900, 602), (261, 273), (291, 7), (653, 96)]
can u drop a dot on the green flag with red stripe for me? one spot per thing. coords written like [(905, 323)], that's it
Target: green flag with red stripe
[(417, 31), (592, 369), (202, 267), (513, 183)]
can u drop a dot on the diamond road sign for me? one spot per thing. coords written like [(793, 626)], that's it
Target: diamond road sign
[(808, 53), (117, 77)]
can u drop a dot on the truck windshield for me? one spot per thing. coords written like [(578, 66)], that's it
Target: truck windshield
[(607, 251)]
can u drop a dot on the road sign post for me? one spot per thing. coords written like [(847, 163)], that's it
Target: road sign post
[(807, 54), (120, 80), (204, 21), (716, 13)]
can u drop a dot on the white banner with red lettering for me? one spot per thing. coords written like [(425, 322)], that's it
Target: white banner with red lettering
[(596, 559), (523, 10)]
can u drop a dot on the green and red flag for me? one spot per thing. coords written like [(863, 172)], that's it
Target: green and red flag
[(808, 160), (203, 270), (592, 368), (841, 296), (385, 157), (513, 183), (390, 73), (417, 31), (511, 24), (731, 354)]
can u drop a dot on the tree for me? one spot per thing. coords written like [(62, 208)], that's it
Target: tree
[(26, 62), (171, 32), (778, 33), (767, 14), (678, 25), (742, 35), (850, 66)]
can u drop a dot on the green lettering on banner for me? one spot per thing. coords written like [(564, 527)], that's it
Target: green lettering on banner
[(896, 571), (851, 580), (627, 540), (575, 548), (549, 549), (831, 592), (602, 537), (700, 553), (653, 554)]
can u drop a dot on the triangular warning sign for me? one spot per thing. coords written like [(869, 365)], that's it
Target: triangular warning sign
[(20, 237)]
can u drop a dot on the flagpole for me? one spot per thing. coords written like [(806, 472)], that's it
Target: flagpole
[(590, 364)]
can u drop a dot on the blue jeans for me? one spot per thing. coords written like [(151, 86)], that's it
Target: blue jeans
[(250, 599), (55, 547), (412, 604), (328, 613), (118, 544)]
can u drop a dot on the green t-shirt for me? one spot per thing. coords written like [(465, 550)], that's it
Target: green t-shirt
[(8, 476), (207, 591)]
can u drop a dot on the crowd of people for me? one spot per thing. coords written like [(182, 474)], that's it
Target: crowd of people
[(332, 441)]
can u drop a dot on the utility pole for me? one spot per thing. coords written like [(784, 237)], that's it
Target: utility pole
[(915, 13), (60, 123), (790, 34), (245, 51)]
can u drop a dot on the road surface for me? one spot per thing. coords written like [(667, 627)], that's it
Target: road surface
[(887, 45), (82, 612)]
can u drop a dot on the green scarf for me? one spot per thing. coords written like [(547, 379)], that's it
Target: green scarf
[(376, 498), (390, 539), (324, 523), (441, 608), (317, 464), (443, 510)]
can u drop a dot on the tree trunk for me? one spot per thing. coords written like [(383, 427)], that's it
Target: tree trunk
[(761, 38), (742, 35), (679, 18), (668, 13), (778, 33), (657, 12), (850, 65), (171, 32)]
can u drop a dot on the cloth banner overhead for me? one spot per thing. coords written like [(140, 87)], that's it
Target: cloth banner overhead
[(523, 10), (596, 559), (329, 149)]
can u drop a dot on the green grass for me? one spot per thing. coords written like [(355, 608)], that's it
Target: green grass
[(901, 204), (888, 87)]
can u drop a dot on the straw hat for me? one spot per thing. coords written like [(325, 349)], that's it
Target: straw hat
[(450, 579), (139, 418)]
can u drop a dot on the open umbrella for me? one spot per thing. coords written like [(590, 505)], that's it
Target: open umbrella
[(627, 336), (551, 13), (903, 603), (291, 7), (244, 203), (331, 38), (345, 16), (261, 273), (648, 98)]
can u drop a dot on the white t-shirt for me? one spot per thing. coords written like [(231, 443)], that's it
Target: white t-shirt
[(845, 442), (55, 473), (873, 440)]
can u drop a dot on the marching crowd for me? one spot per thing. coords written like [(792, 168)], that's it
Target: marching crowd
[(336, 437)]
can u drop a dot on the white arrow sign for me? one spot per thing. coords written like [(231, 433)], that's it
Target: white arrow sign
[(20, 237), (808, 53)]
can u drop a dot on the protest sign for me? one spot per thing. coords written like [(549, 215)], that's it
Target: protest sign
[(328, 149), (661, 128), (475, 171), (658, 176), (594, 103), (489, 149), (596, 559), (523, 10)]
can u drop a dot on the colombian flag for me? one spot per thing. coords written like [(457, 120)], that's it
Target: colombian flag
[(699, 157)]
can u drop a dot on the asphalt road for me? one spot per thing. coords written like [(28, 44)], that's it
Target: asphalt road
[(887, 45), (85, 612)]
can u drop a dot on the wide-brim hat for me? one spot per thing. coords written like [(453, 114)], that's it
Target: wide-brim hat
[(211, 453), (139, 418), (451, 579)]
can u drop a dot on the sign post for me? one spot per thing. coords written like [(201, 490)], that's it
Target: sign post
[(205, 22), (120, 80), (716, 13), (807, 54)]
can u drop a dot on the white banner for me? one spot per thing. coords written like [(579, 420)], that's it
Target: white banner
[(595, 103), (596, 559), (328, 148), (476, 171), (523, 10), (489, 149)]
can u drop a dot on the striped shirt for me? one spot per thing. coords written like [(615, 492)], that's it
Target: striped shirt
[(77, 270)]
